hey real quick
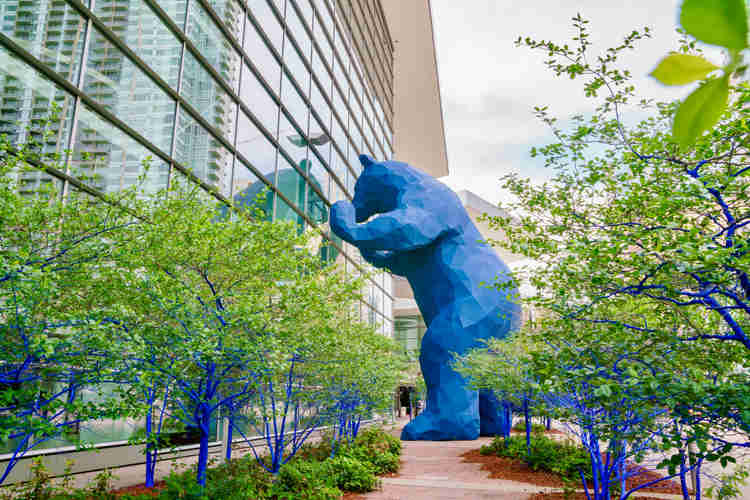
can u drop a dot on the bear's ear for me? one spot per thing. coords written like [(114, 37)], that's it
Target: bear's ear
[(366, 161)]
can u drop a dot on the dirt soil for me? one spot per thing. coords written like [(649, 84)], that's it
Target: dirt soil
[(516, 470), (140, 489)]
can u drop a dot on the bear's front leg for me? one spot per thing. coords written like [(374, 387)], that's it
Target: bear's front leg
[(343, 220)]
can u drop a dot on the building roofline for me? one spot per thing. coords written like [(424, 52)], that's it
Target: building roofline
[(439, 88)]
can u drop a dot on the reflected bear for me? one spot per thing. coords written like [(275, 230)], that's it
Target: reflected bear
[(406, 221)]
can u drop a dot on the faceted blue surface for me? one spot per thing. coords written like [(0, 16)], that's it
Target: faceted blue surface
[(422, 231)]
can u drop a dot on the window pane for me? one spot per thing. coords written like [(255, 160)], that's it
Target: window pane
[(325, 16), (256, 148), (285, 212), (27, 102), (292, 141), (201, 153), (267, 21), (51, 31), (213, 45), (251, 191), (144, 33), (118, 85), (256, 97), (108, 159), (231, 14), (261, 56), (317, 95), (207, 97)]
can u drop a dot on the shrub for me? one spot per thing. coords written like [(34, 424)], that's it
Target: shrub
[(305, 480), (379, 440), (535, 428), (382, 462), (547, 454), (351, 474)]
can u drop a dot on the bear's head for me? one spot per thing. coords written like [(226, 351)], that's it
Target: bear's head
[(378, 189)]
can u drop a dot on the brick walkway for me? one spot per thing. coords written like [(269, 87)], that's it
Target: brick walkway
[(434, 470)]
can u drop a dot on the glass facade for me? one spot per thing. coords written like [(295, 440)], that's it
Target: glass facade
[(237, 95)]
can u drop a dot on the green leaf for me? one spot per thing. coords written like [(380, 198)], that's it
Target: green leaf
[(718, 22), (680, 69), (701, 110)]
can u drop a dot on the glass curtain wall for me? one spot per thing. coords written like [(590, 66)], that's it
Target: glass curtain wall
[(236, 95)]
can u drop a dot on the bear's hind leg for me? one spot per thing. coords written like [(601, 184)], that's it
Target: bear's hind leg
[(452, 411), (492, 418)]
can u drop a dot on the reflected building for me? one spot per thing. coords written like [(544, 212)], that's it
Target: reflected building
[(240, 96)]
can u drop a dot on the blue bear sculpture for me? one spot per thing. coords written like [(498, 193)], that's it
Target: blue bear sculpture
[(406, 221)]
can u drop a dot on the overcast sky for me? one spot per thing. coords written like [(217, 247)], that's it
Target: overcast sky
[(489, 87)]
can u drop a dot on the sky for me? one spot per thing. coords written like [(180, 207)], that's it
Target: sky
[(489, 87)]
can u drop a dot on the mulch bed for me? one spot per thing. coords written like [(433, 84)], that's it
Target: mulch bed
[(549, 432), (140, 489), (516, 470)]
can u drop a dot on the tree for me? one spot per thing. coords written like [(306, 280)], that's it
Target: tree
[(52, 346), (223, 309), (637, 232)]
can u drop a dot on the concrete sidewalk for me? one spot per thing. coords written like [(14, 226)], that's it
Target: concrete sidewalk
[(435, 470)]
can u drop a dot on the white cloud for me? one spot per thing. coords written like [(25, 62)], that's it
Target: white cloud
[(489, 87)]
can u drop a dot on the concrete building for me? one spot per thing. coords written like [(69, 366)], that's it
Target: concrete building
[(235, 95)]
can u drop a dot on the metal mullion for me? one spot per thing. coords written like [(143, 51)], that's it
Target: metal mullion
[(314, 77), (379, 30), (176, 96), (88, 101), (306, 99), (237, 119), (317, 81), (379, 7), (221, 24), (382, 33), (365, 91), (188, 45), (362, 52), (390, 72), (375, 39), (280, 58), (333, 79), (76, 108), (330, 72), (347, 73)]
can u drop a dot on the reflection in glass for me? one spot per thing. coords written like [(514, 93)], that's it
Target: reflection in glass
[(143, 32), (116, 83), (251, 191), (52, 31), (200, 152), (207, 97), (260, 103), (283, 210), (110, 160), (268, 23), (231, 14), (27, 100), (213, 45), (254, 146)]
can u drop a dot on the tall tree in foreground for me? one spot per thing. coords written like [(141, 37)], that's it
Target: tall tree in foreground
[(217, 306), (52, 346), (637, 232)]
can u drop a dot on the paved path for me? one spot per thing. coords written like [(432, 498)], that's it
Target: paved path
[(434, 470)]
